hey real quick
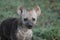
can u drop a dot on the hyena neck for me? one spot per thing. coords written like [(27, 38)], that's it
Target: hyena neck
[(22, 28), (24, 33)]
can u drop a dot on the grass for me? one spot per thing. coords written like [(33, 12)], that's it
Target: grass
[(48, 27)]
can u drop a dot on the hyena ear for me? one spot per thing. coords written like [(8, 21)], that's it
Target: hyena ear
[(20, 10), (37, 10)]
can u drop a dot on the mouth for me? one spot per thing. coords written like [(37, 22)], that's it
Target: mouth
[(29, 27)]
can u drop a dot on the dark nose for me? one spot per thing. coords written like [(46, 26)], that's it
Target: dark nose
[(29, 25)]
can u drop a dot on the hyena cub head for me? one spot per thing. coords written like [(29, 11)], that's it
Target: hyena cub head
[(29, 17)]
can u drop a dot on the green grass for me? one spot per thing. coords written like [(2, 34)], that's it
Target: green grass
[(48, 26)]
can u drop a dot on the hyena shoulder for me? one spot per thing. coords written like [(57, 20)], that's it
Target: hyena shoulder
[(9, 25)]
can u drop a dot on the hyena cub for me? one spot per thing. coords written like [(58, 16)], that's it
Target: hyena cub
[(20, 28)]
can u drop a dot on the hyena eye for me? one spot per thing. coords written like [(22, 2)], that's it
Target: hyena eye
[(25, 19), (33, 19)]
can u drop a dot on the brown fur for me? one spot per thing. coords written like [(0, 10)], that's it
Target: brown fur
[(32, 16)]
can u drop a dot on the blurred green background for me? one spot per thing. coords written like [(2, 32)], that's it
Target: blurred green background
[(48, 25)]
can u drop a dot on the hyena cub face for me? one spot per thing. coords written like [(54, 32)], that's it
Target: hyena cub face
[(29, 17)]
